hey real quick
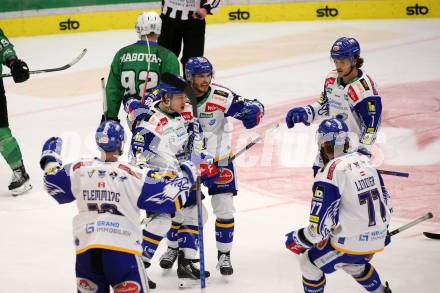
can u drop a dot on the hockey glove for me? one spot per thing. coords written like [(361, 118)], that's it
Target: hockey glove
[(51, 152), (388, 238), (252, 114), (297, 242), (297, 115), (19, 70), (208, 173), (136, 112)]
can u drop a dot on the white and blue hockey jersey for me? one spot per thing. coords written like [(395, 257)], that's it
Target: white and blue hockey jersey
[(213, 109), (350, 206), (163, 139), (358, 102), (109, 196)]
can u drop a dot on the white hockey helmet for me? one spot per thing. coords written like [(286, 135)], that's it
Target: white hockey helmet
[(147, 23)]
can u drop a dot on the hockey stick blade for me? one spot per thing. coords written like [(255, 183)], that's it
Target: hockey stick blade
[(432, 235), (412, 223), (68, 65), (393, 173)]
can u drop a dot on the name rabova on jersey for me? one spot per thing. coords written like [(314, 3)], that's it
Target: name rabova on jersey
[(141, 57)]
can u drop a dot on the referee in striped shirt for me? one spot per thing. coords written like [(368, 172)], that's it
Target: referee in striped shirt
[(184, 20)]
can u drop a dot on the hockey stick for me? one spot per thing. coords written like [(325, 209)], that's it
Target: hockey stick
[(173, 80), (148, 72), (104, 98), (393, 173), (252, 143), (411, 224), (68, 65), (432, 235)]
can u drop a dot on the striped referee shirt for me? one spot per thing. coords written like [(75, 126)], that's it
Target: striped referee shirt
[(184, 9)]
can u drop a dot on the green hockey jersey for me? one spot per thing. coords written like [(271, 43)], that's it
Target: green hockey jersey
[(6, 49), (129, 68)]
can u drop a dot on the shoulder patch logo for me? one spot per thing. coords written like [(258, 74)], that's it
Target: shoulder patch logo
[(371, 107), (318, 194), (221, 93), (365, 84)]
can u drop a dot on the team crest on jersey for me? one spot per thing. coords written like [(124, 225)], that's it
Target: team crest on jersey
[(211, 107), (171, 191), (86, 286), (127, 287)]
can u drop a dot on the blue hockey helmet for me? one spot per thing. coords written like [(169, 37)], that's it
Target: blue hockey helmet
[(198, 65), (110, 136), (345, 48), (333, 131), (168, 88)]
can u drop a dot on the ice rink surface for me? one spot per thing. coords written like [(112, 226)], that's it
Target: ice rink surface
[(281, 64)]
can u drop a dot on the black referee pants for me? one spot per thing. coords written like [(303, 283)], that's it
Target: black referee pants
[(191, 31)]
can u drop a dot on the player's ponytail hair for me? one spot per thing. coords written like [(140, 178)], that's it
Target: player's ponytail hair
[(359, 62)]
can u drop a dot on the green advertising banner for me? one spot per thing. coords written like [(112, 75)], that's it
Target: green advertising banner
[(20, 5)]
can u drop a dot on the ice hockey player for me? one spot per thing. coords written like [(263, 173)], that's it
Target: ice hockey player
[(134, 63), (109, 195), (215, 104), (348, 92), (8, 144), (349, 215), (164, 138)]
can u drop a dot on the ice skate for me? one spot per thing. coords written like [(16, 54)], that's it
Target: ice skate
[(168, 259), (19, 182), (224, 263), (187, 272)]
